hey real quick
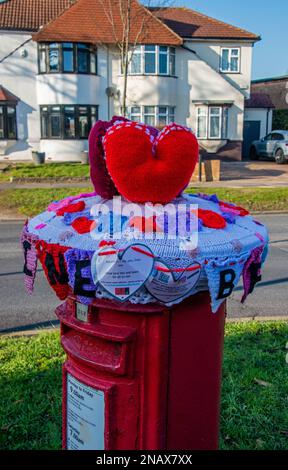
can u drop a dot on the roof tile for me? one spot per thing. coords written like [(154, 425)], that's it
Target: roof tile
[(29, 15), (97, 21), (192, 24)]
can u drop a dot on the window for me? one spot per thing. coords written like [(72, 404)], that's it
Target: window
[(277, 136), (54, 58), (212, 122), (135, 65), (135, 113), (215, 123), (230, 60), (8, 126), (67, 122), (152, 60), (152, 115), (67, 57)]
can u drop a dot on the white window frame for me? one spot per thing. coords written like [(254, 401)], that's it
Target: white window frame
[(204, 113), (219, 115), (230, 49), (170, 113), (138, 114), (171, 56)]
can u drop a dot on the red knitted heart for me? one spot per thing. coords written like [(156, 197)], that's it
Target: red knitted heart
[(145, 168)]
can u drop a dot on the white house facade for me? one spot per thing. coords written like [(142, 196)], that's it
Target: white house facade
[(59, 73)]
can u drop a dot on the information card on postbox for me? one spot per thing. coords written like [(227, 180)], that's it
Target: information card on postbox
[(85, 416)]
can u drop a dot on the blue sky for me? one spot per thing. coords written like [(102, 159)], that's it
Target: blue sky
[(265, 17)]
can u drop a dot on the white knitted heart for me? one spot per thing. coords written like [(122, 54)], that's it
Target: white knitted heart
[(122, 274), (167, 286)]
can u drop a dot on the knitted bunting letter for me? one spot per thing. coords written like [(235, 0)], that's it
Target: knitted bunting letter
[(223, 276), (54, 265)]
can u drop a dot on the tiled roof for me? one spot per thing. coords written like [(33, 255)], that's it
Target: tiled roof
[(259, 100), (90, 21), (29, 15), (6, 95), (192, 24)]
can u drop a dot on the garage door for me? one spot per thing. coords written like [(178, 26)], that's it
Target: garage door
[(251, 132)]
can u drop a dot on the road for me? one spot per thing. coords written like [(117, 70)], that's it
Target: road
[(20, 309)]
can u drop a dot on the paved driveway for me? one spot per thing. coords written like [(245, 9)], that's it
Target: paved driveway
[(249, 174)]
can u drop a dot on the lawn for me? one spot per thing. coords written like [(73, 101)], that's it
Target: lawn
[(49, 170), (254, 397), (254, 199), (29, 202)]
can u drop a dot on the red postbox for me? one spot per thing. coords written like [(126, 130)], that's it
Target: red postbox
[(141, 378), (143, 372)]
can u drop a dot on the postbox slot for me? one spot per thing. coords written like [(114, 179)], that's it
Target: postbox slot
[(108, 356), (105, 331)]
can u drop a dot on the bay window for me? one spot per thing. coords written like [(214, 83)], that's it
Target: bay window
[(152, 115), (8, 126), (230, 60), (212, 122), (67, 121), (67, 57), (152, 60)]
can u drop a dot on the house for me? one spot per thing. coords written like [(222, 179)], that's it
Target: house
[(60, 72), (258, 117), (277, 90)]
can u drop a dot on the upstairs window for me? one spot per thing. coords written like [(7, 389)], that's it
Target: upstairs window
[(152, 60), (8, 126), (67, 57), (67, 122), (230, 60)]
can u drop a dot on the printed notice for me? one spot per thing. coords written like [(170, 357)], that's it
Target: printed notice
[(122, 274), (167, 286), (85, 416)]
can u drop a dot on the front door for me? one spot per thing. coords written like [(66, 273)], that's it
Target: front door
[(251, 133)]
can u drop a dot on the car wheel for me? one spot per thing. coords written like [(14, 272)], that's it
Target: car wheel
[(280, 157), (253, 154)]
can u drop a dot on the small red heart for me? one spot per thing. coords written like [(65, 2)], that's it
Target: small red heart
[(83, 225), (148, 168)]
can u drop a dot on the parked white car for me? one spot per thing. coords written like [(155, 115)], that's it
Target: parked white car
[(273, 146)]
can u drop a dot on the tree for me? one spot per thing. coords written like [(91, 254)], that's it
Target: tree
[(132, 30)]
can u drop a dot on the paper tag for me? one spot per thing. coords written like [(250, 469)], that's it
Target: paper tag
[(82, 312), (122, 274), (167, 286)]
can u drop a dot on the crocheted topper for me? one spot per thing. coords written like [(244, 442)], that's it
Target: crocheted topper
[(139, 162)]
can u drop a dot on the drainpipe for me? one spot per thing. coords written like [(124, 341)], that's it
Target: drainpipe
[(267, 120)]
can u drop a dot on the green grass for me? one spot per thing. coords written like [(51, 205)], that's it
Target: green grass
[(253, 416), (254, 199), (49, 170), (29, 202)]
